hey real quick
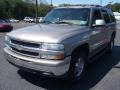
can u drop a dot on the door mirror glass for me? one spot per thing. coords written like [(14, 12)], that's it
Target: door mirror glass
[(99, 22)]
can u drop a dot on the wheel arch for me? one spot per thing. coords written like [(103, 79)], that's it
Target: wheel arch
[(83, 47)]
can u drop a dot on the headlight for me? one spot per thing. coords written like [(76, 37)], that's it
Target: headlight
[(58, 54), (47, 46)]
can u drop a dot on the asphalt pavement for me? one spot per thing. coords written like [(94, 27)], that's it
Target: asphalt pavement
[(104, 74)]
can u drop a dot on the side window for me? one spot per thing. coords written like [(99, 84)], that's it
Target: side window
[(111, 16), (105, 16), (96, 15)]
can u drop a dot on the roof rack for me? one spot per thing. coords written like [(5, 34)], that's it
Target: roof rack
[(84, 5), (90, 5)]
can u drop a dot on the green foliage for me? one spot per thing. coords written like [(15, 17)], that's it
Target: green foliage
[(115, 7), (43, 9), (21, 8)]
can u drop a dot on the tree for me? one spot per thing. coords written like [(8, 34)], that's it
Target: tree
[(115, 7), (21, 8)]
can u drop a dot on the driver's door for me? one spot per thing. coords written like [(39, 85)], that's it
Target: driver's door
[(97, 36)]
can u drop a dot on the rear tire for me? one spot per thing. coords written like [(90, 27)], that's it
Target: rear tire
[(77, 66), (111, 45)]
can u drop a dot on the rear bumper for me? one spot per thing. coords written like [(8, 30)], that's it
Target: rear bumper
[(46, 67)]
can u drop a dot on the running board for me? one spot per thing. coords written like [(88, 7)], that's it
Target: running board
[(97, 56)]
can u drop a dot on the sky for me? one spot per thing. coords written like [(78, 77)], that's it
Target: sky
[(104, 2)]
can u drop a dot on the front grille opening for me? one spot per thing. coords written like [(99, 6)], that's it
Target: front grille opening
[(25, 52), (28, 44)]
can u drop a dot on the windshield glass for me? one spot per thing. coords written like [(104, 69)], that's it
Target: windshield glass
[(2, 21), (75, 16)]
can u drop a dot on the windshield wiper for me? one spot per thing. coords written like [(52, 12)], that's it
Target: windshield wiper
[(62, 22), (59, 22)]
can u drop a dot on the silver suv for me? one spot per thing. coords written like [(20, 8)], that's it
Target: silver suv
[(66, 40)]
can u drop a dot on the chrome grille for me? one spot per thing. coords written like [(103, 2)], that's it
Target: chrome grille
[(25, 52), (27, 44), (25, 48)]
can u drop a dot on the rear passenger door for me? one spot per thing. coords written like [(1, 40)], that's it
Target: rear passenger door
[(110, 23)]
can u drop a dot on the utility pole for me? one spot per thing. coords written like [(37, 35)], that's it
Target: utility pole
[(110, 4), (101, 2), (36, 10), (51, 3)]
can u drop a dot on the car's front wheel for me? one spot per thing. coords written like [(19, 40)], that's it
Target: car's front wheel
[(77, 66)]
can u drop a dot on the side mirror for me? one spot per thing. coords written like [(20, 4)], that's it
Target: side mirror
[(99, 23)]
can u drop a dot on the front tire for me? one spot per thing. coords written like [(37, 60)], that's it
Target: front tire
[(77, 66)]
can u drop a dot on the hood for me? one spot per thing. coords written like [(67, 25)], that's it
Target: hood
[(52, 33)]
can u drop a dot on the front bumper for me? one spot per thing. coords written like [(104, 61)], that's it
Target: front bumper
[(47, 67)]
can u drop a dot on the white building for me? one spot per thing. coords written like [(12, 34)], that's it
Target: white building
[(117, 15)]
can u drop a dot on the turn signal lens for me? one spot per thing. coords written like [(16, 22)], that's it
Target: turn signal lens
[(53, 57), (59, 56)]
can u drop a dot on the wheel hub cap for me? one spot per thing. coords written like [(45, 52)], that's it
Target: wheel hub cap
[(79, 67)]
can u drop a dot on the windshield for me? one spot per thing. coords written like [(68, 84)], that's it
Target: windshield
[(2, 21), (74, 16)]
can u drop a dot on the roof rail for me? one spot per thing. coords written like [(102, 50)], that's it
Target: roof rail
[(84, 5), (90, 5)]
